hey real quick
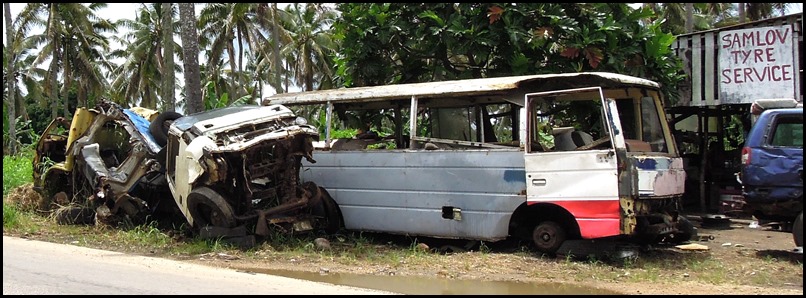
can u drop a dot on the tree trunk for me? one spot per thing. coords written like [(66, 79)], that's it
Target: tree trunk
[(240, 67), (233, 83), (68, 80), (168, 78), (689, 17), (276, 49), (742, 13), (190, 45), (54, 67), (11, 81)]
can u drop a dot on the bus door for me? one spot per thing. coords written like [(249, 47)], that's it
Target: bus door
[(581, 177)]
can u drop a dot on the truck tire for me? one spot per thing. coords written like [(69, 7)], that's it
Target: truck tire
[(209, 208), (332, 215), (159, 127), (797, 230)]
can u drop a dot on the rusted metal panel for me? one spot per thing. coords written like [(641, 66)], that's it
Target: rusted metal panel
[(660, 176), (453, 88)]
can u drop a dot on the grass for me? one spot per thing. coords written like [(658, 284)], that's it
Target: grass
[(11, 217), (17, 170), (359, 249)]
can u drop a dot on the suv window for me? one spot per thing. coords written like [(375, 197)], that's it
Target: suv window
[(788, 132)]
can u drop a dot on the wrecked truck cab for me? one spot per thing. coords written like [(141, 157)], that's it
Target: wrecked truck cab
[(104, 165), (237, 168)]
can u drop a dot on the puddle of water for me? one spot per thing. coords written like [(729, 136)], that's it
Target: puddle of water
[(418, 285)]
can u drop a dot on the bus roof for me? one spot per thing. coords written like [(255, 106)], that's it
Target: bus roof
[(485, 86)]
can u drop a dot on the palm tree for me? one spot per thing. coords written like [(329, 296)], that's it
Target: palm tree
[(11, 79), (72, 41), (268, 55), (683, 17), (19, 52), (224, 24), (312, 45), (190, 45), (711, 15), (275, 29), (760, 11), (142, 74), (169, 80)]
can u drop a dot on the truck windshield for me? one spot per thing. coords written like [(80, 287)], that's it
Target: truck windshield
[(641, 121)]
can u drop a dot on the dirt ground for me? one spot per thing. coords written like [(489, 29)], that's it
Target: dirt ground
[(735, 259)]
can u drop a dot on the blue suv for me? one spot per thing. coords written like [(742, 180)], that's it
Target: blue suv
[(772, 168)]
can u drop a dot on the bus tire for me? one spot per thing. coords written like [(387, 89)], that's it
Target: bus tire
[(548, 236), (208, 208), (797, 230)]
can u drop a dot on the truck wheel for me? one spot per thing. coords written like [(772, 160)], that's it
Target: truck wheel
[(208, 208), (797, 230), (548, 236), (332, 216), (159, 127)]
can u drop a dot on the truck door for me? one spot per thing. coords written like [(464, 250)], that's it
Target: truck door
[(584, 180)]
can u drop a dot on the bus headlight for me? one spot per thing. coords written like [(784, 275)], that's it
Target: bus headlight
[(300, 121)]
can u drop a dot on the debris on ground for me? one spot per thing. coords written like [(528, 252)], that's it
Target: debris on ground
[(692, 246)]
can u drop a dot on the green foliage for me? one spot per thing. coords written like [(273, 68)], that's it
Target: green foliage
[(343, 133), (393, 43), (25, 132), (212, 102), (17, 170), (390, 144), (734, 133)]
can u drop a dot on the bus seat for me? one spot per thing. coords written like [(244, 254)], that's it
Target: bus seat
[(581, 138), (637, 146), (563, 138)]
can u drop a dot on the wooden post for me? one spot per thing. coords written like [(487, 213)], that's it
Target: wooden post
[(703, 132)]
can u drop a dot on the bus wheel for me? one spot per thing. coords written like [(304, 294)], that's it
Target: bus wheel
[(548, 236), (209, 208)]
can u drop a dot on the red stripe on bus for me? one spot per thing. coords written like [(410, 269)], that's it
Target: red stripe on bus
[(596, 218)]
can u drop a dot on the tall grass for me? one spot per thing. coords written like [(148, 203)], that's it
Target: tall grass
[(11, 216), (17, 169)]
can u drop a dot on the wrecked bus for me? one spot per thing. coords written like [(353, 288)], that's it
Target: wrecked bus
[(546, 158)]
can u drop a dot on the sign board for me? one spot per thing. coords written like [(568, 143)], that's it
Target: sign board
[(756, 63)]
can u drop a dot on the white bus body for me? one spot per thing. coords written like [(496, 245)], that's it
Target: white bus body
[(543, 157)]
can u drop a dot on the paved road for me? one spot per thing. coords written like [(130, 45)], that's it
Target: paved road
[(42, 268)]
